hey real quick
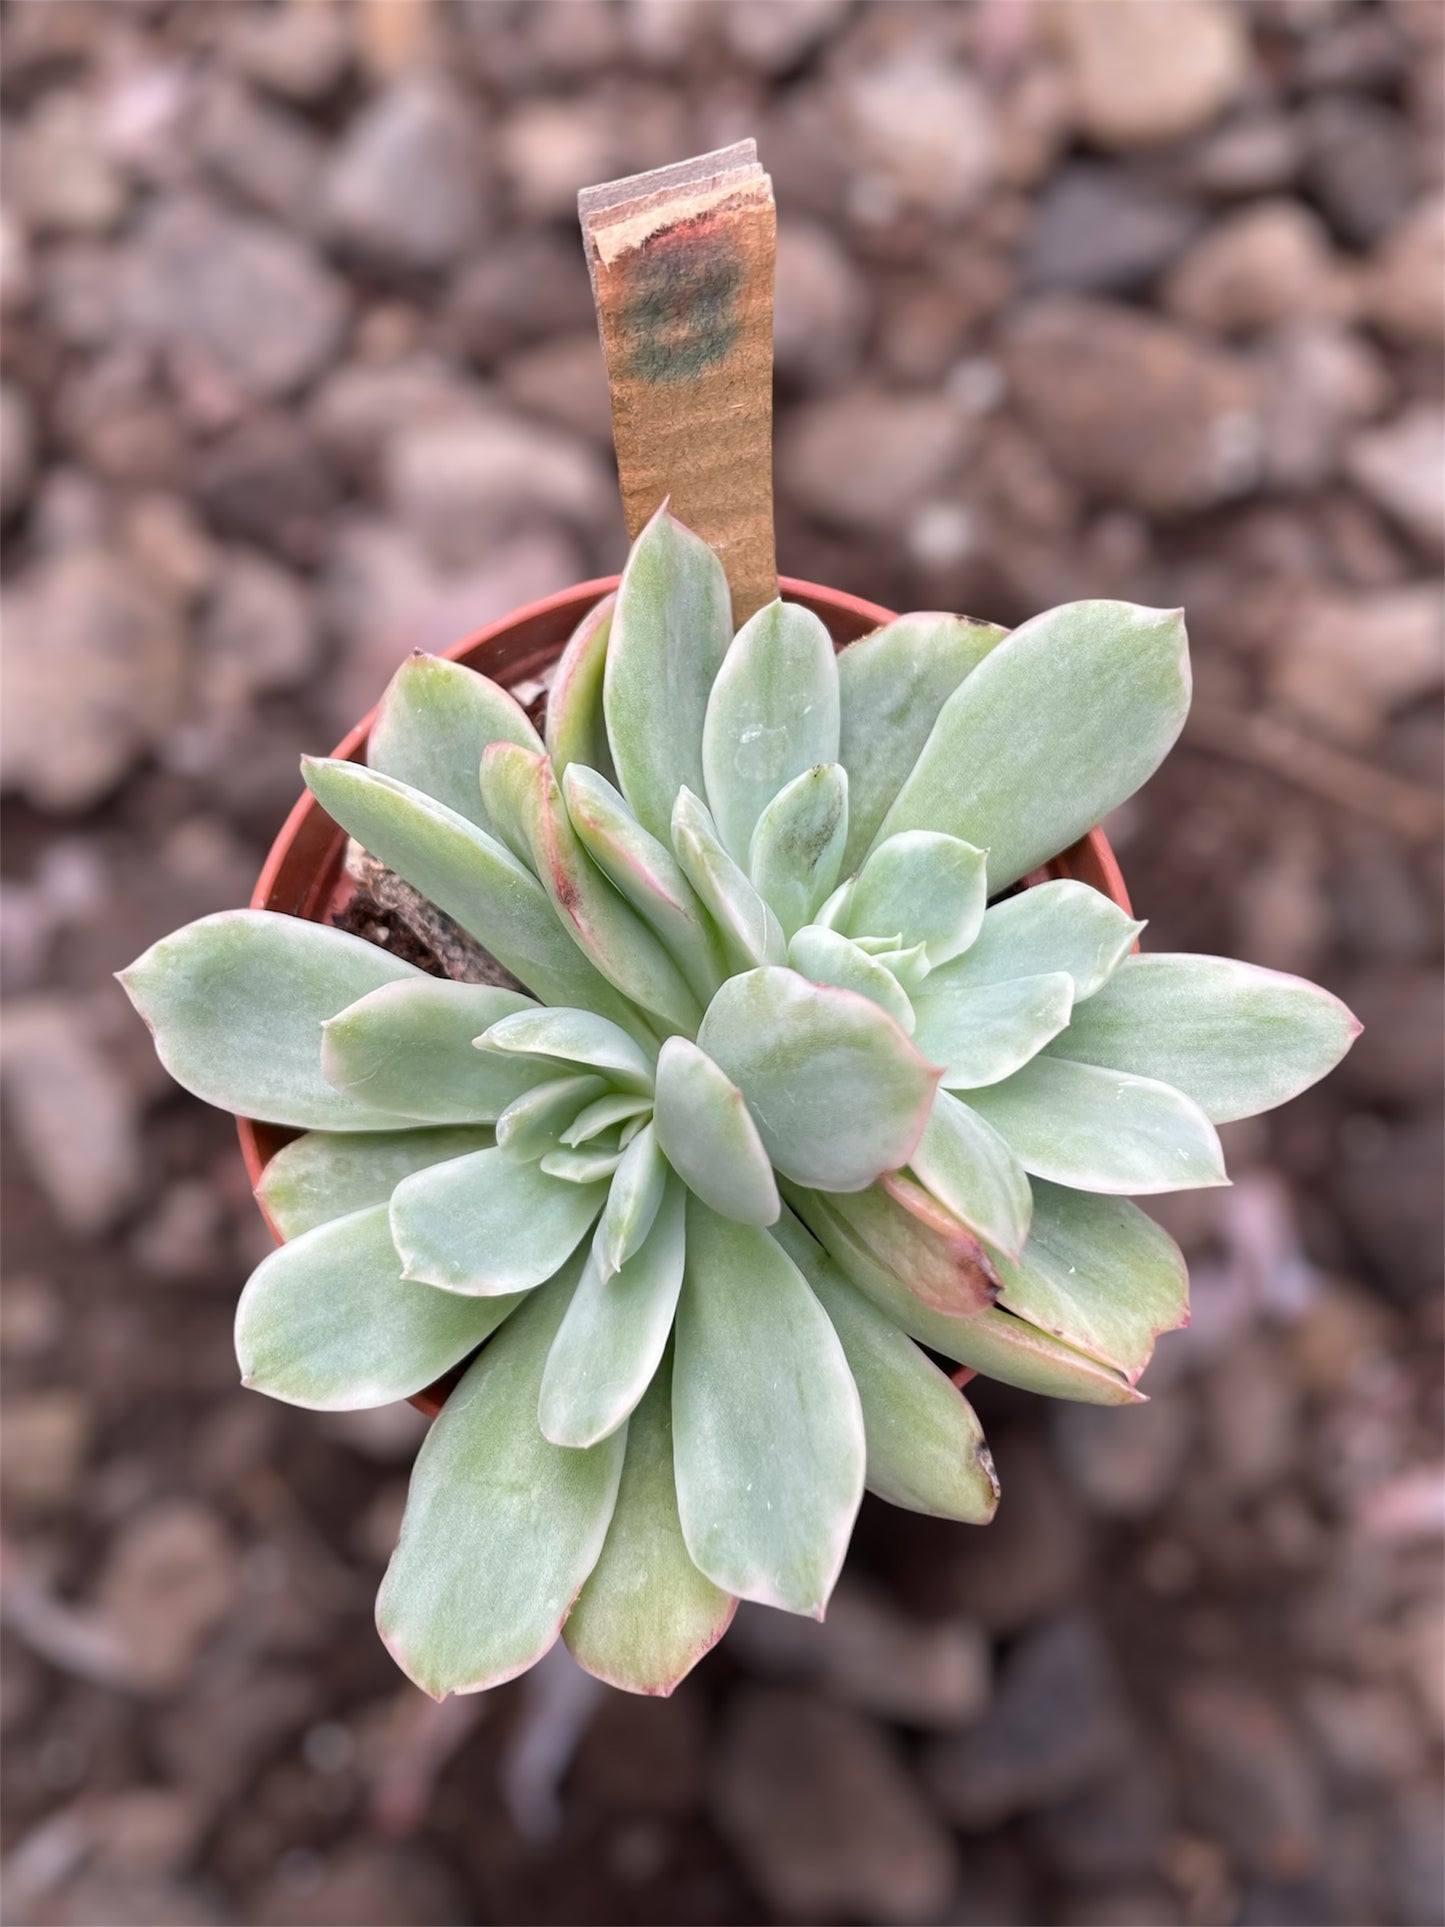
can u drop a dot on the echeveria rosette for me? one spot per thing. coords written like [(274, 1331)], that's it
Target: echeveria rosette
[(793, 1091)]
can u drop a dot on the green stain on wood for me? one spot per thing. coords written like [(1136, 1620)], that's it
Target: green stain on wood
[(679, 314)]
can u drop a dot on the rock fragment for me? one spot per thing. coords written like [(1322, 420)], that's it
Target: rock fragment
[(824, 1816)]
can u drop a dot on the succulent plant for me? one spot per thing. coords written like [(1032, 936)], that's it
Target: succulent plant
[(799, 1091)]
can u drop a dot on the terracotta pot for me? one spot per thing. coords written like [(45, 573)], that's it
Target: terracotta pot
[(304, 877)]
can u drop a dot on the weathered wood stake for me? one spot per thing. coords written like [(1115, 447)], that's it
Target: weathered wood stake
[(681, 261)]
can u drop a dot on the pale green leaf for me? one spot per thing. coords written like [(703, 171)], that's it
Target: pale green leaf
[(1102, 1130), (768, 1433), (1053, 729), (598, 918), (633, 1201), (707, 1135), (468, 874), (534, 1123), (236, 1002), (508, 786), (922, 1242), (501, 1526), (1098, 1274), (431, 728), (797, 844), (670, 631), (576, 727), (968, 1167), (329, 1322), (329, 1174), (647, 874), (926, 1448), (981, 1035), (580, 1167), (772, 713), (994, 1342), (488, 1224), (578, 1037), (408, 1047), (1061, 925), (923, 888), (803, 1055), (611, 1341), (892, 685), (826, 957), (832, 913), (751, 933), (910, 966), (595, 1118), (646, 1616), (1235, 1038)]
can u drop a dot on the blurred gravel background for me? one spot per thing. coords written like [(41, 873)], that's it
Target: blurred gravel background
[(299, 372)]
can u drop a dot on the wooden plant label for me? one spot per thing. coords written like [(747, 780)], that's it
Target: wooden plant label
[(681, 261)]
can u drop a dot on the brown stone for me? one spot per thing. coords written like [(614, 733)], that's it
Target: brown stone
[(1134, 409)]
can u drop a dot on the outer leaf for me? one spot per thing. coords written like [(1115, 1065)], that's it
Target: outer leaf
[(801, 1054), (647, 1615), (600, 921), (969, 1168), (633, 1199), (985, 1034), (647, 874), (501, 1526), (751, 933), (432, 725), (408, 1046), (1235, 1038), (892, 685), (533, 1123), (926, 1448), (576, 727), (1053, 730), (768, 1433), (670, 631), (1102, 1130), (611, 1342), (487, 1224), (328, 1321), (797, 844), (329, 1174), (708, 1136), (993, 1342), (469, 875), (236, 1002), (922, 1243), (1061, 925), (926, 888), (825, 957), (772, 713), (1100, 1275), (576, 1036)]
